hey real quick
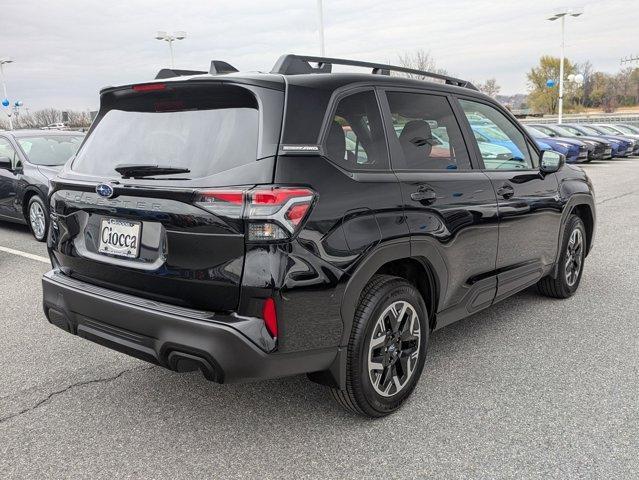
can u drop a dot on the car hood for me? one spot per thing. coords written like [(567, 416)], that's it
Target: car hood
[(594, 139), (569, 141), (49, 171), (614, 138)]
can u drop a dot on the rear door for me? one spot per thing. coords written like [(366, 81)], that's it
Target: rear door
[(9, 181), (528, 200), (450, 208), (175, 237)]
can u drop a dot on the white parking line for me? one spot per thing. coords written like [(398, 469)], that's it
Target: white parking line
[(25, 254)]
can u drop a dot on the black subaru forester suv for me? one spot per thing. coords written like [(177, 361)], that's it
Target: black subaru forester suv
[(256, 225)]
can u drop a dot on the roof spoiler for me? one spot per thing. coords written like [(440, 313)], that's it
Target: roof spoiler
[(300, 64)]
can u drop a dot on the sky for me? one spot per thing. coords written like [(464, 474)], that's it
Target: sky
[(65, 51)]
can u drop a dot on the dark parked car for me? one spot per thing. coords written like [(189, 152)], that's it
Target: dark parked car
[(603, 149), (621, 147), (614, 130), (575, 151), (28, 160), (238, 232)]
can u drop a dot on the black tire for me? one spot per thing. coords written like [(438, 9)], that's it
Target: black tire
[(40, 226), (384, 292), (566, 285)]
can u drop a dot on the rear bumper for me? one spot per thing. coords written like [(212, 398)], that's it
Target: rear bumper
[(226, 348)]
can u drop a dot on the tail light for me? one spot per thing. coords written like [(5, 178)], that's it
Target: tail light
[(148, 87), (272, 213)]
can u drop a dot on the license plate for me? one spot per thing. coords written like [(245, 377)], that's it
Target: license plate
[(119, 237)]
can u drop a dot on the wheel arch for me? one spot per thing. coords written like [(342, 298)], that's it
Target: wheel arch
[(392, 258), (583, 206), (586, 213), (29, 192)]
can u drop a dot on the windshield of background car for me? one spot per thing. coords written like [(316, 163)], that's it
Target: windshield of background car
[(589, 131), (537, 133), (609, 130), (51, 150), (567, 131), (206, 130), (624, 129)]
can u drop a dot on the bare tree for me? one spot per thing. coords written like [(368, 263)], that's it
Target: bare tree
[(79, 119), (419, 60), (47, 116), (489, 87)]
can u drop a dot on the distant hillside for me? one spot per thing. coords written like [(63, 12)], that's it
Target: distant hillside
[(513, 102)]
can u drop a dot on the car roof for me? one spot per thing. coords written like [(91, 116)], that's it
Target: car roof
[(318, 80)]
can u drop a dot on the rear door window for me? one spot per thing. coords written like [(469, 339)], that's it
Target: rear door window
[(205, 130), (355, 137), (427, 131)]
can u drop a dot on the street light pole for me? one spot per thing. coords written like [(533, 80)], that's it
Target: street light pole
[(561, 70), (170, 38), (562, 15), (4, 86), (172, 56), (320, 16)]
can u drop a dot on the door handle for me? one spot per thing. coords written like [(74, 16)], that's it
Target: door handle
[(424, 195), (506, 191)]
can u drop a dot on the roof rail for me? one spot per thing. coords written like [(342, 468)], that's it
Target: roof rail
[(171, 72), (299, 64)]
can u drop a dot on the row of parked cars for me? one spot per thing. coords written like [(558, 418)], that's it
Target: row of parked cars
[(586, 142)]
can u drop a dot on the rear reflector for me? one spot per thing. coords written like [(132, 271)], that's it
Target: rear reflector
[(149, 87), (269, 315)]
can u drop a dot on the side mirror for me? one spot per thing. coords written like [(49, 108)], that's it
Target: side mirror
[(551, 161), (6, 164)]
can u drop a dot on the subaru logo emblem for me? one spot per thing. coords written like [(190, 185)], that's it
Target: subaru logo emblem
[(104, 190)]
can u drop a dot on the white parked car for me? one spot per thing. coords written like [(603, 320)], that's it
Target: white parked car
[(55, 126)]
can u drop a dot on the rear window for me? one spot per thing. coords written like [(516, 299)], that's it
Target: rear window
[(50, 150), (206, 130)]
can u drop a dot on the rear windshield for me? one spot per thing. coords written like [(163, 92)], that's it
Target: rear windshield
[(52, 150), (206, 134)]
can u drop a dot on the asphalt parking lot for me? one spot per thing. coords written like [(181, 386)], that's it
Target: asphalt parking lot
[(531, 388)]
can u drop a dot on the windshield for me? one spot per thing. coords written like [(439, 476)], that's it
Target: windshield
[(589, 130), (537, 133), (606, 129), (624, 129), (204, 141), (51, 150), (566, 131)]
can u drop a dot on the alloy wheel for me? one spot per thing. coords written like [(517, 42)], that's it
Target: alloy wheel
[(574, 257), (394, 348), (37, 220)]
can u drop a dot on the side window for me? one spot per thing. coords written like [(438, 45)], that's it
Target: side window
[(7, 150), (501, 144), (355, 137), (427, 131)]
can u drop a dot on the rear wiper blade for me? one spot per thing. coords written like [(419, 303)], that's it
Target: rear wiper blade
[(145, 170)]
